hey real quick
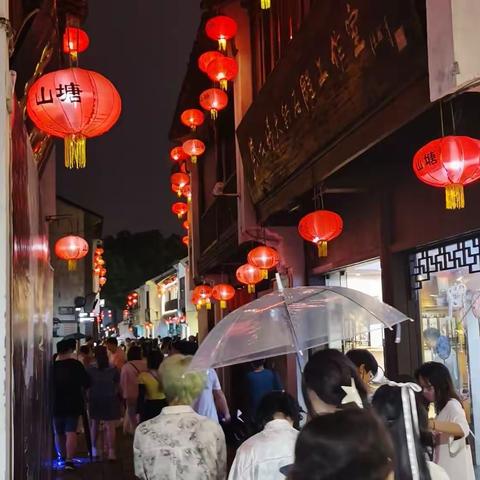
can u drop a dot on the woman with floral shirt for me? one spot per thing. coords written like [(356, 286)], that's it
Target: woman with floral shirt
[(179, 444)]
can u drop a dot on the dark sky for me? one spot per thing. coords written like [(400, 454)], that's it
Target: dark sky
[(143, 48)]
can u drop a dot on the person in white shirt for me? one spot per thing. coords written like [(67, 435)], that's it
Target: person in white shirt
[(262, 456), (179, 444)]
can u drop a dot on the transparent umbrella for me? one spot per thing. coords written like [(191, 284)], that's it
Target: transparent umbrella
[(292, 321)]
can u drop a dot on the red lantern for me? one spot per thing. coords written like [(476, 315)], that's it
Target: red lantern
[(179, 209), (186, 225), (320, 227), (249, 275), (192, 118), (264, 258), (180, 180), (204, 295), (205, 59), (185, 240), (103, 272), (213, 100), (102, 281), (177, 154), (176, 189), (194, 148), (74, 104), (222, 70), (221, 28), (71, 248), (223, 292), (187, 192), (99, 251), (75, 41), (449, 162)]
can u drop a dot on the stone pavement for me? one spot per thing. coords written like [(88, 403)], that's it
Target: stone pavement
[(122, 469)]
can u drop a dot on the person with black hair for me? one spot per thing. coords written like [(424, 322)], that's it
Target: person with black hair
[(366, 363), (406, 430), (104, 399), (345, 445), (151, 395), (330, 382), (85, 355), (450, 427), (262, 456), (116, 355), (69, 381)]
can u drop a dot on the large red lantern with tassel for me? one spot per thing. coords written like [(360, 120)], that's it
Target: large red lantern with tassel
[(179, 209), (449, 162), (75, 41), (264, 258), (177, 154), (192, 118), (222, 70), (223, 292), (249, 275), (71, 248), (74, 104), (221, 28), (194, 148), (320, 227), (204, 294), (205, 58), (213, 100), (179, 180)]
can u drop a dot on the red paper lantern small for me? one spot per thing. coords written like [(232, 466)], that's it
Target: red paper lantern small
[(449, 162), (74, 104), (264, 258), (71, 248), (75, 41), (99, 251), (177, 154), (186, 225), (222, 70), (320, 227), (187, 192), (102, 281), (205, 59), (103, 272), (192, 118), (185, 240), (180, 180), (214, 100), (249, 275), (179, 209), (176, 189), (221, 28), (204, 294), (223, 292), (194, 148)]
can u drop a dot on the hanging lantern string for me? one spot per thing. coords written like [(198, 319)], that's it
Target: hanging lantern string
[(441, 118), (452, 114)]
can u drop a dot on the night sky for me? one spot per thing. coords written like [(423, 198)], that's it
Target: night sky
[(143, 48)]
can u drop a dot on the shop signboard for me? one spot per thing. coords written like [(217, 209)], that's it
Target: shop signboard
[(349, 59)]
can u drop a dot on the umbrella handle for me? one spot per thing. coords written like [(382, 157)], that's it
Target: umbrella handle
[(398, 335)]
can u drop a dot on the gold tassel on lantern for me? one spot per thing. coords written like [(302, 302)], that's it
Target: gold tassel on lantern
[(454, 197), (193, 158), (264, 273), (223, 304), (224, 84), (251, 288), (209, 304), (322, 248), (214, 114), (264, 4), (75, 151), (71, 265), (222, 44)]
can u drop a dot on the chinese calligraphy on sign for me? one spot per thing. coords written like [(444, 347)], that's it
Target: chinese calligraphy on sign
[(65, 93), (335, 72)]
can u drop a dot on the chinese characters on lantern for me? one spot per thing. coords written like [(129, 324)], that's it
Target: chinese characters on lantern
[(70, 92)]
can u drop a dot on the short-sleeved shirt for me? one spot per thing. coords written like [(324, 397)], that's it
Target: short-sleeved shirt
[(69, 380), (153, 386), (117, 359), (205, 404), (259, 384)]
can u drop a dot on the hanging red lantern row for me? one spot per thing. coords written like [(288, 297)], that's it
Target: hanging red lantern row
[(213, 100), (71, 248), (222, 70), (177, 154), (223, 292), (203, 294), (320, 227), (74, 104), (186, 225), (264, 258), (192, 118), (221, 28), (99, 266), (180, 180), (450, 163), (186, 240), (249, 275), (205, 58), (194, 148), (75, 41), (179, 209)]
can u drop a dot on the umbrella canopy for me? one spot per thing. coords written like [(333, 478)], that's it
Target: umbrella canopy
[(292, 321), (74, 336)]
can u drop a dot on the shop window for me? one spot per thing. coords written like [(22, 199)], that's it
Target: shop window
[(447, 282), (365, 277)]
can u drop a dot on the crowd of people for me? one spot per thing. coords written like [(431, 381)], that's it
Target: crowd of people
[(353, 428)]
